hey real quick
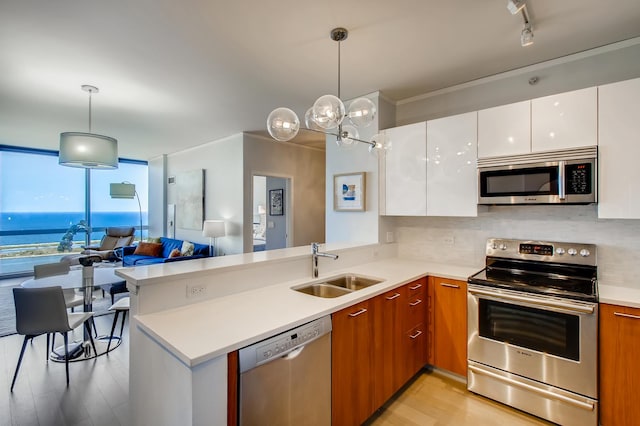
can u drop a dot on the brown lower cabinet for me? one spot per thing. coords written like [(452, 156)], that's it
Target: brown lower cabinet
[(377, 346), (448, 348), (619, 371), (351, 364)]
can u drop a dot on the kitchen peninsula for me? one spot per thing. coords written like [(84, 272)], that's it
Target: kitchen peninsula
[(187, 316), (179, 342)]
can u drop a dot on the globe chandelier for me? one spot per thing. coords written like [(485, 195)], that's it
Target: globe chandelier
[(328, 114)]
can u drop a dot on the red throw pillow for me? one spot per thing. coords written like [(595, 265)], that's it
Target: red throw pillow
[(175, 253), (149, 249)]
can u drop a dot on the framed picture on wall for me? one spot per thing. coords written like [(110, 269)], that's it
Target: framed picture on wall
[(276, 202), (349, 190)]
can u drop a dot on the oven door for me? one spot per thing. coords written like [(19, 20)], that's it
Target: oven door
[(546, 339)]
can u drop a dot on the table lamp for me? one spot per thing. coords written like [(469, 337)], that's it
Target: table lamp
[(213, 229)]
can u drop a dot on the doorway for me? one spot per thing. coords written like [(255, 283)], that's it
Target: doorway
[(271, 212)]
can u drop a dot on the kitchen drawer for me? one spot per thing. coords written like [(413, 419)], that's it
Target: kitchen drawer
[(417, 288), (416, 341), (417, 311)]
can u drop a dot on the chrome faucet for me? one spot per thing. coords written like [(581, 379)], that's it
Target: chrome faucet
[(315, 254)]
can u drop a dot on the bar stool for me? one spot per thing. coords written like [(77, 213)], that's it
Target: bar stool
[(122, 305)]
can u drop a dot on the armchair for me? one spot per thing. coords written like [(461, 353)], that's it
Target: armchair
[(115, 237)]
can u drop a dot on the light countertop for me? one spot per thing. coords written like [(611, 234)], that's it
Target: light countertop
[(616, 295), (203, 331)]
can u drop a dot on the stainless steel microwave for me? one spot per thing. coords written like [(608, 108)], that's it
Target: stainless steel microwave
[(553, 177)]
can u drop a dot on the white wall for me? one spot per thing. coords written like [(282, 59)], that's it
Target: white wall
[(358, 227), (305, 167), (224, 198)]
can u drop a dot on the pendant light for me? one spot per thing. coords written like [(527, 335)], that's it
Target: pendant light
[(88, 150), (328, 114)]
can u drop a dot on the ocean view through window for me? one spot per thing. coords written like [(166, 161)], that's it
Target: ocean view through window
[(40, 201)]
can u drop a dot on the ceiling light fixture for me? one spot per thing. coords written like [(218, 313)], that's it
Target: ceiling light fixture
[(328, 114), (526, 36), (515, 6), (88, 150)]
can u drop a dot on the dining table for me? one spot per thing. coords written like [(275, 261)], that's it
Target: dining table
[(85, 279)]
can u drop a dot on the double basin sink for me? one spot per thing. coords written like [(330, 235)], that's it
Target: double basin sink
[(336, 286)]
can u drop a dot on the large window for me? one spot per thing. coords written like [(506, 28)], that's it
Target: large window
[(40, 201)]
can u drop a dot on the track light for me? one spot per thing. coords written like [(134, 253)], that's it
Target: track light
[(519, 6), (515, 6), (526, 36)]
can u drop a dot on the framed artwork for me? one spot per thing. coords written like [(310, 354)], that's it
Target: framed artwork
[(349, 191), (276, 202), (190, 199)]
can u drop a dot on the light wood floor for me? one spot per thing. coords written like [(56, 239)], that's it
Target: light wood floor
[(98, 390), (434, 399)]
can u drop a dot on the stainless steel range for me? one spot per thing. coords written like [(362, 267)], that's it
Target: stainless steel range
[(533, 329)]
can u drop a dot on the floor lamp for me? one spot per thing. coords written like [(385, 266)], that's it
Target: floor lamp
[(128, 191), (213, 229)]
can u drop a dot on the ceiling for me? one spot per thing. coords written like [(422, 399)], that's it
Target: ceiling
[(177, 74)]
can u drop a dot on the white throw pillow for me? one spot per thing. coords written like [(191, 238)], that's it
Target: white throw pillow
[(187, 249)]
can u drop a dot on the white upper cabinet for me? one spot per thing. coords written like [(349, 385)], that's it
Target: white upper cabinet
[(619, 150), (452, 178), (405, 171), (504, 130), (565, 120)]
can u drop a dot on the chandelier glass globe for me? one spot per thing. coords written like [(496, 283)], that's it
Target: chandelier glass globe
[(361, 112), (283, 124), (328, 111), (348, 134), (310, 122)]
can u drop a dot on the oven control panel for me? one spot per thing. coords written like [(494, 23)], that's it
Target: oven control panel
[(560, 252), (538, 249)]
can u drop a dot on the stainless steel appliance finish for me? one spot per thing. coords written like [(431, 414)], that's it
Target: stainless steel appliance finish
[(286, 379), (553, 177), (533, 329)]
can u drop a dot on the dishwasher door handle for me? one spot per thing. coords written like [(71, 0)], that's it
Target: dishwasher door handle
[(294, 353)]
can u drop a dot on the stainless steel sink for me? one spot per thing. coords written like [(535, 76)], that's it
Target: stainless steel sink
[(323, 290), (336, 286), (352, 282)]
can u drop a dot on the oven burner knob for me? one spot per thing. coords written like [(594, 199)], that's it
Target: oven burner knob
[(560, 251), (572, 251), (494, 246), (503, 246), (585, 253)]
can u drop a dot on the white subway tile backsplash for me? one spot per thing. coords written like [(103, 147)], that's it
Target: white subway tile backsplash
[(618, 241)]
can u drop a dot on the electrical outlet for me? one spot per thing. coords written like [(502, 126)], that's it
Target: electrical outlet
[(390, 236), (196, 290)]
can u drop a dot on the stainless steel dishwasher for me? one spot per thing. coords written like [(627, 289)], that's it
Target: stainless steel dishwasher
[(286, 379)]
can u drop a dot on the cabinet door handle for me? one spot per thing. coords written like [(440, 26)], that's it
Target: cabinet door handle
[(621, 314), (417, 302), (395, 296), (415, 287), (413, 336), (360, 312), (449, 285)]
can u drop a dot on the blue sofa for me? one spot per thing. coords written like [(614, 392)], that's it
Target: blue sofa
[(168, 244)]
